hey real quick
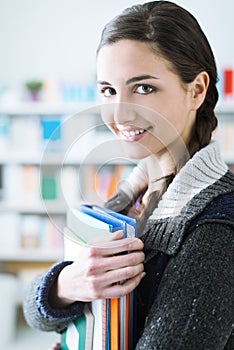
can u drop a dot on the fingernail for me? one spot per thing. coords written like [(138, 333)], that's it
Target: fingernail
[(143, 274)]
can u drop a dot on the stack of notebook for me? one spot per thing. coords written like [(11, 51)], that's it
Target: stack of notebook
[(108, 324)]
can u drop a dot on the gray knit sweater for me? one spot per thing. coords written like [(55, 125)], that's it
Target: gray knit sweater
[(191, 305)]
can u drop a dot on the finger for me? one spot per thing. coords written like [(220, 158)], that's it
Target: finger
[(120, 275), (118, 261), (104, 280), (123, 260), (118, 246), (119, 290)]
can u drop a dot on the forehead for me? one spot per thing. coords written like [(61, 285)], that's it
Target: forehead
[(130, 56)]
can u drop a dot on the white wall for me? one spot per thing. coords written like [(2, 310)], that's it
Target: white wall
[(58, 38)]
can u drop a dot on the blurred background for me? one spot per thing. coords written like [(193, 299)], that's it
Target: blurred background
[(47, 73)]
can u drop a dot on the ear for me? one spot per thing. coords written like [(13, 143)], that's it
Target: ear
[(199, 88)]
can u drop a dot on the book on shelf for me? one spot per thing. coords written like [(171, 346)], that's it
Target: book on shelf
[(22, 138), (100, 183), (52, 132), (86, 225), (4, 133), (9, 228), (30, 233), (49, 187)]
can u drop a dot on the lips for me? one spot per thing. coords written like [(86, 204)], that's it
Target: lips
[(132, 134)]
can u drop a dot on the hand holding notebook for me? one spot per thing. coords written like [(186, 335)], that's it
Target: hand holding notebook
[(108, 264), (99, 265)]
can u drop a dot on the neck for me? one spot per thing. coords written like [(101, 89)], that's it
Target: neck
[(167, 162), (155, 167)]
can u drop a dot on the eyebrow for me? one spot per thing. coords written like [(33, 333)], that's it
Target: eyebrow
[(131, 80)]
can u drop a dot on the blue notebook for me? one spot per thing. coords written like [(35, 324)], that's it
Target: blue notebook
[(116, 220)]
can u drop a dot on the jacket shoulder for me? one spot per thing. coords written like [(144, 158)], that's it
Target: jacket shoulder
[(220, 208)]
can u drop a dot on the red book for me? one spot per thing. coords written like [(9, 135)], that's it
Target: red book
[(228, 82)]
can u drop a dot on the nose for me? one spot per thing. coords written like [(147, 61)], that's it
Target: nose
[(123, 112)]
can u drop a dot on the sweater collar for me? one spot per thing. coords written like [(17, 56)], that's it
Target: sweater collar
[(201, 171)]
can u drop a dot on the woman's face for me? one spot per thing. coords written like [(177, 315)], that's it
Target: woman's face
[(144, 102)]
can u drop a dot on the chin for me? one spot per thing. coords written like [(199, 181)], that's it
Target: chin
[(136, 151)]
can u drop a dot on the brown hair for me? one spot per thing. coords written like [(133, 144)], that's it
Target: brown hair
[(175, 34)]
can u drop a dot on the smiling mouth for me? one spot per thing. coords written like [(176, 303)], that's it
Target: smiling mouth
[(132, 133)]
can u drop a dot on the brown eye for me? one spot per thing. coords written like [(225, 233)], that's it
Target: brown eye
[(108, 91), (144, 89)]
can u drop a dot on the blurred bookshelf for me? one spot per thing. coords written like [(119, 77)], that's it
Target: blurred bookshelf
[(51, 157)]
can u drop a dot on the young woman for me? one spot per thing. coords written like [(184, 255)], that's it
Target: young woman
[(157, 77)]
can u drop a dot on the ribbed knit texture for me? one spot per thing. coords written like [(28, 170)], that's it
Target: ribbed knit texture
[(201, 171), (54, 319)]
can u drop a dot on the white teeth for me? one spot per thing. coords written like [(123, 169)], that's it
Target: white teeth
[(132, 132)]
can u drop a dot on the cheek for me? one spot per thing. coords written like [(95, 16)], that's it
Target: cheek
[(167, 128), (107, 119), (175, 104), (107, 114), (176, 117)]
